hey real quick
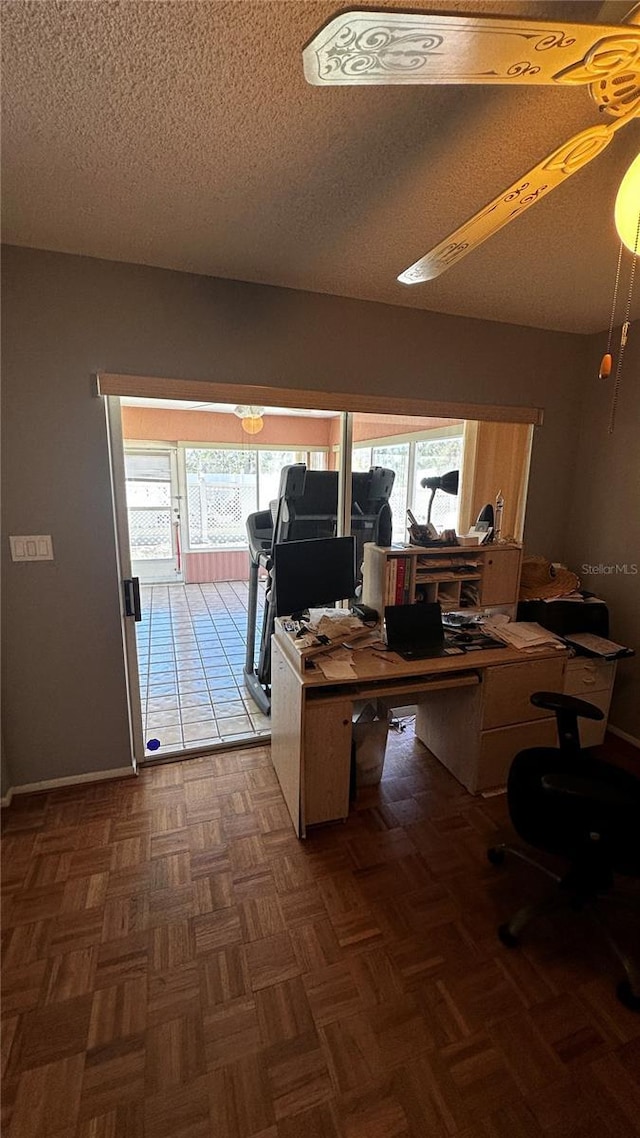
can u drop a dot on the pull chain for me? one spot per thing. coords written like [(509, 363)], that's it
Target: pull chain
[(624, 335), (607, 362)]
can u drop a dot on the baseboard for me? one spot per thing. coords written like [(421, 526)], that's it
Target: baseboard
[(69, 780), (623, 735), (6, 799)]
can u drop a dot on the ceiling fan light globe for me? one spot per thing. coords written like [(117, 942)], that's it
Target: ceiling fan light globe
[(627, 207)]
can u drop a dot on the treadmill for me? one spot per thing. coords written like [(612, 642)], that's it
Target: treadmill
[(306, 508)]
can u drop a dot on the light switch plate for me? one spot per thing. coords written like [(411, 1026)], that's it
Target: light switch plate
[(32, 547)]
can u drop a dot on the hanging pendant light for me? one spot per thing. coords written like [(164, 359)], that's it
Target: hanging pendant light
[(250, 417)]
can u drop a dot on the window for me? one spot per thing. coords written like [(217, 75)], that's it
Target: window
[(361, 459), (224, 486), (412, 461), (435, 457), (221, 492), (396, 457), (270, 463)]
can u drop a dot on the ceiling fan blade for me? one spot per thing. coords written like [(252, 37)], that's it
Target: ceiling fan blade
[(399, 47), (511, 203)]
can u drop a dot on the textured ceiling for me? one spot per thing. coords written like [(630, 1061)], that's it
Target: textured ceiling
[(184, 135)]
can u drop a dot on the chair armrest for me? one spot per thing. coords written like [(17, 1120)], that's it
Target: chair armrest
[(555, 701), (585, 788)]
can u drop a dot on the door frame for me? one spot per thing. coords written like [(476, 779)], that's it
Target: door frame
[(112, 385), (116, 450), (115, 445)]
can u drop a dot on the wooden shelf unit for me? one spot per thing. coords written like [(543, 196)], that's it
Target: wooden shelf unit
[(459, 577)]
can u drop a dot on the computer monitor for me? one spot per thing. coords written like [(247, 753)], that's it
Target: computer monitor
[(310, 574)]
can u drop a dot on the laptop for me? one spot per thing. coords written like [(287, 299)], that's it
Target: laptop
[(415, 632)]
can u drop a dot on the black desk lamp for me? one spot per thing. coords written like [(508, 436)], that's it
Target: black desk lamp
[(447, 482)]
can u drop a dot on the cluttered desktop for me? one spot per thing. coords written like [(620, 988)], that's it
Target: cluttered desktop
[(459, 627), (470, 673)]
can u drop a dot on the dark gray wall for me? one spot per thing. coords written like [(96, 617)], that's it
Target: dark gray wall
[(66, 317), (6, 781), (603, 538)]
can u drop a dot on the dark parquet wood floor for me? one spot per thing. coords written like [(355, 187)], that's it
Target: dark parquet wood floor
[(178, 965)]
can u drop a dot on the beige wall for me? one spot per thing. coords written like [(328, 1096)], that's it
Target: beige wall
[(163, 424), (67, 317), (367, 428), (603, 524), (295, 431)]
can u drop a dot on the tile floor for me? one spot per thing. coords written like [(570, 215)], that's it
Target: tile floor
[(191, 650)]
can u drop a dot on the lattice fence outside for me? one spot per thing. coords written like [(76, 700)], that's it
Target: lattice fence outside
[(218, 506), (150, 533)]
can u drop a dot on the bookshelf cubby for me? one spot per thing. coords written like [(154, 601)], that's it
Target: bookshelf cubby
[(457, 576)]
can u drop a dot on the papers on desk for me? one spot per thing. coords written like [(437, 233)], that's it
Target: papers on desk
[(524, 635), (335, 624), (337, 665), (326, 630), (336, 669)]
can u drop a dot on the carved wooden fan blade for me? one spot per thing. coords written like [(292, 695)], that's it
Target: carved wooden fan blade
[(398, 47), (528, 190)]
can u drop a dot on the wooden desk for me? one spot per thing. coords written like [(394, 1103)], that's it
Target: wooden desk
[(474, 715)]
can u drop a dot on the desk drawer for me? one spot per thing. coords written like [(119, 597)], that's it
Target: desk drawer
[(585, 674), (509, 687), (498, 749)]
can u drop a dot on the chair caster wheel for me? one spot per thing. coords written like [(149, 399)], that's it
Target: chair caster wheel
[(508, 938), (495, 855), (627, 997)]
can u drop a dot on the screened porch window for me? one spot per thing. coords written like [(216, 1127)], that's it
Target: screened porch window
[(224, 486), (412, 461), (435, 457), (221, 491)]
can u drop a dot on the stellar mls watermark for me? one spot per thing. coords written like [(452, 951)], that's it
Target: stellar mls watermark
[(609, 570)]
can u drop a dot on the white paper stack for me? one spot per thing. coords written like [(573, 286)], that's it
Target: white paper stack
[(336, 624), (524, 635)]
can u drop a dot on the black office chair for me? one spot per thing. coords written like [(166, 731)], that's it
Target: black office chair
[(565, 801)]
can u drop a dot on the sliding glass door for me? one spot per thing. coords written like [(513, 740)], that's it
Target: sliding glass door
[(187, 489)]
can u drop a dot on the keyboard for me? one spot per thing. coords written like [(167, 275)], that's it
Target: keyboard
[(597, 645), (428, 653)]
